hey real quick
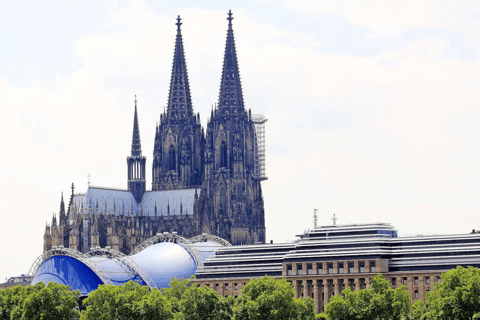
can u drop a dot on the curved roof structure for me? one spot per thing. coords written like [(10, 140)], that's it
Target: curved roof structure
[(154, 263), (68, 271), (164, 261)]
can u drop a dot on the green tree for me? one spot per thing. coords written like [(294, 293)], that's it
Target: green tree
[(204, 304), (379, 302), (154, 306), (176, 290), (39, 301), (268, 298), (11, 298), (129, 301), (457, 296)]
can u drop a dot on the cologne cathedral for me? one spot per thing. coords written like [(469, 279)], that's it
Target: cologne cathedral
[(205, 180)]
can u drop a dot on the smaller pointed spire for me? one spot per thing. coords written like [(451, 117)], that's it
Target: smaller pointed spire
[(136, 145), (62, 207)]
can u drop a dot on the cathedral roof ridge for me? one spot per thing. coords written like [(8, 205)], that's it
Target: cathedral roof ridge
[(107, 188)]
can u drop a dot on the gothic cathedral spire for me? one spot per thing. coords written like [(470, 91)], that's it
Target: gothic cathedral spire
[(230, 100), (136, 144), (136, 162), (178, 151), (179, 108), (230, 193)]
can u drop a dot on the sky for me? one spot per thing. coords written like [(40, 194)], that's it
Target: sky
[(373, 106)]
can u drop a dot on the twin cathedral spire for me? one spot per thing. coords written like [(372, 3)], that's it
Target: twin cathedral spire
[(218, 161)]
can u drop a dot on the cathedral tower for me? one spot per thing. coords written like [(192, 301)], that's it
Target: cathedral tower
[(136, 162), (178, 152), (232, 196)]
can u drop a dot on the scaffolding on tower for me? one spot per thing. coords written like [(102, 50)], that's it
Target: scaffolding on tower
[(259, 160)]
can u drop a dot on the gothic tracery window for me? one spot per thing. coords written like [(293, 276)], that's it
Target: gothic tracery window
[(171, 158), (223, 155)]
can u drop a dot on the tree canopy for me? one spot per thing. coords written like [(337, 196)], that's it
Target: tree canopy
[(457, 296), (379, 302), (129, 301), (39, 301), (268, 298)]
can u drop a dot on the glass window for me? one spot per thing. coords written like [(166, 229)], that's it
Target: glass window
[(394, 281), (330, 267), (340, 267), (309, 268), (351, 268), (226, 286), (372, 266), (289, 270), (415, 280), (216, 286), (439, 279), (299, 269), (427, 280), (319, 268), (416, 294), (362, 266), (235, 286), (405, 280)]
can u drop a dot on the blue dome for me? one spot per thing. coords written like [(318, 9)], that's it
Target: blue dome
[(68, 271), (164, 261)]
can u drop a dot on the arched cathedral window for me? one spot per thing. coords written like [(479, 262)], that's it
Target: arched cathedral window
[(223, 155), (171, 158)]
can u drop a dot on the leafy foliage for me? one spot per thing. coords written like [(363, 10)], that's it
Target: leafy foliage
[(40, 301), (130, 301), (268, 298), (204, 303), (380, 302), (457, 296)]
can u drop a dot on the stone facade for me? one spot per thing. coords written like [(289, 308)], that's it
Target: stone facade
[(218, 166)]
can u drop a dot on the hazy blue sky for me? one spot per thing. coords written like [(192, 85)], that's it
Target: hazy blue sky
[(373, 106)]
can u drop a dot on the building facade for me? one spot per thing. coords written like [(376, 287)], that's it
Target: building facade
[(326, 260), (204, 181), (23, 280)]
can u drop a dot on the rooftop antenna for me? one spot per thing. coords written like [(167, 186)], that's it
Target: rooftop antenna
[(334, 219), (88, 179), (315, 217)]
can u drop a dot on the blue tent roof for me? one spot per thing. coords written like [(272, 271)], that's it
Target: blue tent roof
[(68, 271), (159, 262)]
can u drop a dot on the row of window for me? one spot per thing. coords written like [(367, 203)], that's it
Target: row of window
[(225, 286), (347, 267), (415, 280)]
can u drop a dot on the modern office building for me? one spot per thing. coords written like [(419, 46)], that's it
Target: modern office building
[(327, 259)]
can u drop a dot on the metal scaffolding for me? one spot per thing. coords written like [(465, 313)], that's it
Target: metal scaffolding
[(259, 156)]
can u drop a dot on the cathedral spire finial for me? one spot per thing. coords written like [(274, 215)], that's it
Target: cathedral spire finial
[(178, 24), (136, 145), (230, 18), (179, 106)]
